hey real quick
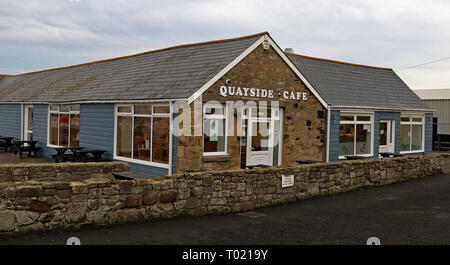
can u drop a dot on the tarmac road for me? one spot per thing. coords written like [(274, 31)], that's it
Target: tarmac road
[(414, 212)]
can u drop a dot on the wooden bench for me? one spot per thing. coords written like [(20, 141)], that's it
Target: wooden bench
[(6, 143), (389, 154), (357, 157)]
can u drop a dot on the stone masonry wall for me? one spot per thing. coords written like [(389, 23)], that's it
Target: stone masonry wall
[(304, 132), (39, 206), (62, 171)]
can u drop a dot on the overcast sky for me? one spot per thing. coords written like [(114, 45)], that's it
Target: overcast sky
[(42, 34)]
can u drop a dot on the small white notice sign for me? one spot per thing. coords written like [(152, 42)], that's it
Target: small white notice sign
[(287, 181)]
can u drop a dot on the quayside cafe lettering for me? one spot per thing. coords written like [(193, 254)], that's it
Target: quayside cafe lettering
[(260, 93)]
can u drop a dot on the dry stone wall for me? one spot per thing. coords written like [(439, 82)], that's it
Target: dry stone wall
[(45, 205), (62, 171)]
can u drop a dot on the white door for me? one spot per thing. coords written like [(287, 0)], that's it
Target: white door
[(387, 137), (259, 150), (28, 123)]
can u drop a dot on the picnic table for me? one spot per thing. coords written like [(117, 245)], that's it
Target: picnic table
[(26, 146), (77, 154), (82, 155), (61, 155), (6, 143)]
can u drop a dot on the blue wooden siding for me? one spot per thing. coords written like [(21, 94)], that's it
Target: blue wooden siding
[(97, 132), (97, 127), (11, 120), (334, 136), (428, 133), (174, 138), (148, 170)]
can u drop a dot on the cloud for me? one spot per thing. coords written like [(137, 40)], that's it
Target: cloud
[(40, 34)]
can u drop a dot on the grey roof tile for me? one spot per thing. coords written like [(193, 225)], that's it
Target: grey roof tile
[(343, 84), (165, 74)]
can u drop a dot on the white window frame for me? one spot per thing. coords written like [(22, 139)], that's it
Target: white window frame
[(411, 123), (132, 115), (356, 122), (214, 116), (59, 112)]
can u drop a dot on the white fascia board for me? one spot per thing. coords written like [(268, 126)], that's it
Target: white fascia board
[(296, 71), (95, 102), (345, 108), (225, 70)]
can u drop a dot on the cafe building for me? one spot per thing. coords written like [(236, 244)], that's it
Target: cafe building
[(226, 104)]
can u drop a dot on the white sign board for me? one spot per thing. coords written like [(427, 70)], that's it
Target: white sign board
[(287, 181)]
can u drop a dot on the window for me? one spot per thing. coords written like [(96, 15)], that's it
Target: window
[(355, 135), (64, 125), (411, 133), (214, 140), (143, 133)]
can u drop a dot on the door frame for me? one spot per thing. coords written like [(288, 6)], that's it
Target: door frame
[(390, 137), (26, 130), (271, 120)]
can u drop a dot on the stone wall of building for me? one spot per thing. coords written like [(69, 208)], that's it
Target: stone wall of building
[(61, 171), (39, 206), (304, 129)]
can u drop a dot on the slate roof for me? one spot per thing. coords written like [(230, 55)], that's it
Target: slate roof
[(345, 84), (171, 73), (433, 94)]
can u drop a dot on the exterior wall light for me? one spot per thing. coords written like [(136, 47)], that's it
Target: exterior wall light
[(266, 45)]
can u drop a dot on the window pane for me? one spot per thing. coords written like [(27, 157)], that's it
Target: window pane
[(161, 109), (405, 135), (30, 118), (124, 109), (161, 140), (74, 129), (417, 119), (124, 136), (276, 142), (383, 133), (346, 139), (54, 108), (363, 118), (405, 119), (64, 129), (416, 143), (347, 118), (214, 135), (54, 129), (143, 109), (363, 139), (142, 138), (260, 136)]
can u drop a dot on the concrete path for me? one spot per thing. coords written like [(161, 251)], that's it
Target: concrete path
[(414, 212)]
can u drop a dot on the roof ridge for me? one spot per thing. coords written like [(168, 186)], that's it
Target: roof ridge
[(334, 61), (147, 52)]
